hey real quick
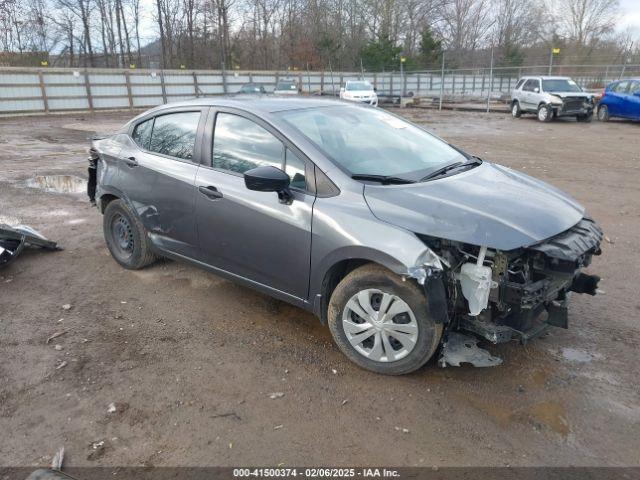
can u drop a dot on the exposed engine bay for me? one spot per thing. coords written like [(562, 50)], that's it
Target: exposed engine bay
[(504, 295)]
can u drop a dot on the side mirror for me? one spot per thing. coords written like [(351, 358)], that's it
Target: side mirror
[(341, 89), (637, 93), (269, 179), (537, 90)]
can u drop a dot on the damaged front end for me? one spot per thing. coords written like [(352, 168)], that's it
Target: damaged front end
[(505, 295)]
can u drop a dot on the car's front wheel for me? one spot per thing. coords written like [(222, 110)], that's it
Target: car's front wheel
[(603, 113), (516, 112), (545, 113), (380, 322), (126, 237)]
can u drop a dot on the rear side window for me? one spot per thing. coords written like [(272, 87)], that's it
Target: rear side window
[(142, 133), (531, 85), (519, 84), (634, 88), (240, 144), (174, 134), (620, 87)]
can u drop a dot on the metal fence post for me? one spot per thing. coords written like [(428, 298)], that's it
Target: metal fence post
[(441, 83), (87, 87), (490, 81), (128, 82), (43, 90), (391, 83)]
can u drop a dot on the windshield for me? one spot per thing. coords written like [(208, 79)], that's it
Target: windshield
[(286, 86), (367, 141), (359, 86), (560, 85)]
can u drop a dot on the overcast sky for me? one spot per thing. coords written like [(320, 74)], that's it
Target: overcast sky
[(630, 15)]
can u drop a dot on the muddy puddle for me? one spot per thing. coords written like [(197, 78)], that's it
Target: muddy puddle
[(58, 183)]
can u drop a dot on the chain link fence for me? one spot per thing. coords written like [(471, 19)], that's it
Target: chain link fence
[(33, 90)]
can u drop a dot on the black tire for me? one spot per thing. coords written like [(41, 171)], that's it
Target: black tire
[(516, 112), (603, 113), (586, 118), (373, 276), (545, 113), (126, 237)]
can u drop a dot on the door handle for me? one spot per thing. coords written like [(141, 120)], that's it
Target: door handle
[(131, 162), (210, 191)]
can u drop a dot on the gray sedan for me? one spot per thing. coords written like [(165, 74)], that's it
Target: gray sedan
[(403, 244)]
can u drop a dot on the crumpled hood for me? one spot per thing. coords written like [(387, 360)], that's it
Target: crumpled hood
[(488, 205)]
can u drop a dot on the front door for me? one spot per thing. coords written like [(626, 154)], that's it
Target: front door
[(158, 173), (247, 233)]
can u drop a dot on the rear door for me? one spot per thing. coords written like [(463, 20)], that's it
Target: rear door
[(247, 233), (160, 162), (529, 93), (632, 101), (616, 96)]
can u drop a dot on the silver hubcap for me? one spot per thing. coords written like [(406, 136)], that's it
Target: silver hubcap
[(542, 114), (380, 326), (514, 111)]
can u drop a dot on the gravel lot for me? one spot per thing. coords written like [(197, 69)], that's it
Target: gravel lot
[(190, 360)]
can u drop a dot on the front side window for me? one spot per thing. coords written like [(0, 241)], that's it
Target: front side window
[(560, 85), (174, 134), (240, 144), (367, 141), (142, 133), (634, 88)]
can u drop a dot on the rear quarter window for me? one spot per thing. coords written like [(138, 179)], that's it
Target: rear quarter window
[(142, 133)]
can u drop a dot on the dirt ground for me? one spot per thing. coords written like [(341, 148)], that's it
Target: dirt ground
[(190, 360)]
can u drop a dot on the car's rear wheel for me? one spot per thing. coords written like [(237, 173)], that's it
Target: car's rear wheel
[(603, 113), (380, 322), (545, 113), (515, 110), (126, 237)]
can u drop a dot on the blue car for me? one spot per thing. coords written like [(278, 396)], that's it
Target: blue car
[(620, 99)]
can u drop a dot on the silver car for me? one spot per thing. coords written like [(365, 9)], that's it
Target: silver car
[(551, 97), (403, 244)]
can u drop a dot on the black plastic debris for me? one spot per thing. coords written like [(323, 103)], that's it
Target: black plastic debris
[(14, 239)]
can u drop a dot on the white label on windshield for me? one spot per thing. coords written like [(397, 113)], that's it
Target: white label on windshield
[(571, 82)]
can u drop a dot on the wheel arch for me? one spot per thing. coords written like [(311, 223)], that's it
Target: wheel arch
[(338, 265)]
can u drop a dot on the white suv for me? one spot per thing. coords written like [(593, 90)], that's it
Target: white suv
[(359, 91), (551, 97)]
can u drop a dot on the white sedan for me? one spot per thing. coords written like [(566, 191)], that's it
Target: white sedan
[(359, 91)]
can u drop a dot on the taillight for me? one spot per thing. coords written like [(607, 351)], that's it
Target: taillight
[(604, 92)]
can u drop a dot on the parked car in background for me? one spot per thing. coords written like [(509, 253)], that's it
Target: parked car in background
[(620, 99), (551, 97), (252, 88), (359, 91), (396, 239), (286, 87)]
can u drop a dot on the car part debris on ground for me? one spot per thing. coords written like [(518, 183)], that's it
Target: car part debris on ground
[(13, 240)]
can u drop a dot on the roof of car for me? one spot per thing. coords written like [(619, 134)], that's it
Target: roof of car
[(262, 104), (546, 77)]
